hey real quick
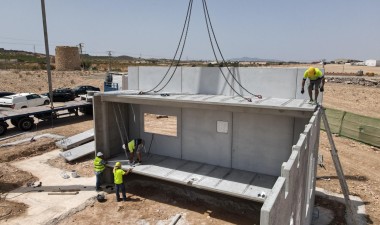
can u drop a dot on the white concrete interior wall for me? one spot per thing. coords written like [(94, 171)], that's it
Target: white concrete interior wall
[(292, 198), (261, 143), (163, 144), (247, 143), (201, 141)]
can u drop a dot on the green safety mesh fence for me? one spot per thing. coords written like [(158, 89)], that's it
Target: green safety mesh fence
[(361, 128)]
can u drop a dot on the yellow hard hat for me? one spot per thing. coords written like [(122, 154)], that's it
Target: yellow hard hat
[(311, 71), (118, 164)]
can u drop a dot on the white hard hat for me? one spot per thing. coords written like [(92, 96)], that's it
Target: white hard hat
[(99, 154)]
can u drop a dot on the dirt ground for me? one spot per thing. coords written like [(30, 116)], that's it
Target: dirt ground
[(353, 98), (360, 162), (37, 81)]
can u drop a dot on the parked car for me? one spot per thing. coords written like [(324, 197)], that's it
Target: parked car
[(5, 93), (82, 90), (62, 95), (23, 100)]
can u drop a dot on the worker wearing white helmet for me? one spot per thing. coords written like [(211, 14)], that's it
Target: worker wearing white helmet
[(99, 166)]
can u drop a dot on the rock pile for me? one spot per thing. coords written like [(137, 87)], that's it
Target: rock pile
[(355, 80)]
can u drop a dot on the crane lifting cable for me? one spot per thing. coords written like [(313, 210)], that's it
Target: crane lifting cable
[(209, 25), (120, 131), (183, 37)]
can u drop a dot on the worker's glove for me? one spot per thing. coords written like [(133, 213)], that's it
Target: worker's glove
[(321, 89), (302, 91), (123, 147)]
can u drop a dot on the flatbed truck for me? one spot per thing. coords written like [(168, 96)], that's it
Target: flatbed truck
[(24, 118)]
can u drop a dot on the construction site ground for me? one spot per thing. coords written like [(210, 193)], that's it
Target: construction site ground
[(148, 204)]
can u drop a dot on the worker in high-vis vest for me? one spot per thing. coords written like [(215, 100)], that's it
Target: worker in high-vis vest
[(118, 173), (99, 166), (317, 82), (135, 146)]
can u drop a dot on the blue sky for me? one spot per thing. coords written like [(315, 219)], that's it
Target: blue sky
[(285, 30)]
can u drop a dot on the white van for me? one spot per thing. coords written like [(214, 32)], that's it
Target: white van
[(23, 100)]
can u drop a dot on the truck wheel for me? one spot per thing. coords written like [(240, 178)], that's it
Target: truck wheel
[(46, 102), (14, 122), (26, 124), (3, 128)]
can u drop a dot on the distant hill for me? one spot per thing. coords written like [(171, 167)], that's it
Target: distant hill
[(249, 59)]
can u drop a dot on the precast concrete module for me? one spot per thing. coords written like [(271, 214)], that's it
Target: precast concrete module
[(201, 134), (67, 58)]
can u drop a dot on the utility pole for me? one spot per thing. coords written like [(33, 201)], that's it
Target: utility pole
[(47, 53), (109, 62), (81, 45)]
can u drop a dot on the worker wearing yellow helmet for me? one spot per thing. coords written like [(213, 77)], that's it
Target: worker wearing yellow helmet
[(118, 173), (317, 81)]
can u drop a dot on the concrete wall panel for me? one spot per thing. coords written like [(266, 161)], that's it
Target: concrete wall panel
[(135, 121), (162, 144), (275, 210), (149, 77), (206, 80), (133, 78), (200, 140), (268, 82), (299, 127), (257, 151), (117, 127), (293, 202)]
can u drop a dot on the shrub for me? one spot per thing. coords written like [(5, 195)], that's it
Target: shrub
[(85, 64)]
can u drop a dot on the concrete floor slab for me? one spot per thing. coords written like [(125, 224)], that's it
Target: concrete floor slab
[(79, 151), (44, 208), (224, 180), (76, 140)]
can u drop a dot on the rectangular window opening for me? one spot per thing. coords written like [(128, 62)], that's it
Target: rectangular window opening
[(160, 124)]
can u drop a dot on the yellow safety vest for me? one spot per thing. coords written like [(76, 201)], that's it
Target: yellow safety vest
[(131, 145), (98, 166), (118, 176), (318, 74)]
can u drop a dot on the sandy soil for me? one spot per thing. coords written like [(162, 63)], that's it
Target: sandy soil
[(353, 98), (360, 162), (83, 166), (340, 69), (10, 179), (150, 204), (37, 81)]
